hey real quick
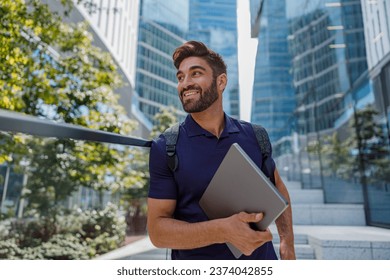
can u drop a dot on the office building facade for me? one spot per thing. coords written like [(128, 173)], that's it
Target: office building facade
[(164, 25), (326, 43), (376, 15), (214, 22), (162, 28), (273, 100), (339, 141), (116, 25)]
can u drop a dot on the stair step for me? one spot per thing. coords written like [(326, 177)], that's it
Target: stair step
[(329, 214), (292, 185), (299, 238), (299, 196), (302, 251), (348, 242)]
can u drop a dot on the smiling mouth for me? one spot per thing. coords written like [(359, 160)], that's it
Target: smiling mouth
[(190, 93)]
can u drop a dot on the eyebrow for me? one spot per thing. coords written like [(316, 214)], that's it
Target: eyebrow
[(192, 68)]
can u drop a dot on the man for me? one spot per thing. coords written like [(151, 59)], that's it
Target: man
[(175, 219)]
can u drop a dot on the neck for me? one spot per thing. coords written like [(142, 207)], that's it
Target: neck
[(212, 121)]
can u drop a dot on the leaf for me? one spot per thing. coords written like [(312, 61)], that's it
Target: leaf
[(76, 86)]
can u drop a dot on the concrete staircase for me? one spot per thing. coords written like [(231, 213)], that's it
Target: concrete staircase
[(332, 231), (303, 250), (309, 209)]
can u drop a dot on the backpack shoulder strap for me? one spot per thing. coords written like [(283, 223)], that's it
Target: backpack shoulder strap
[(265, 147), (171, 135), (262, 139)]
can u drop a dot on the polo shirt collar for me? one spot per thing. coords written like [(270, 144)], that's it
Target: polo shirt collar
[(194, 129)]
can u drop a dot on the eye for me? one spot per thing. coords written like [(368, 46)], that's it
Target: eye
[(196, 73), (180, 78)]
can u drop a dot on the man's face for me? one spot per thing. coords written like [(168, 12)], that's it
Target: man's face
[(196, 86)]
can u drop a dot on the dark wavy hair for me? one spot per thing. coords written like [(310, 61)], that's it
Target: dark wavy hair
[(198, 49)]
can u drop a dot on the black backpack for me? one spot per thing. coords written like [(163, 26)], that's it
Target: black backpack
[(172, 133)]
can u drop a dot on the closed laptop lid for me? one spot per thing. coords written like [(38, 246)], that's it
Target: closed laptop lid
[(240, 186)]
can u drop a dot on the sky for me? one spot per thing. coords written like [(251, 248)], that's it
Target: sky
[(247, 48)]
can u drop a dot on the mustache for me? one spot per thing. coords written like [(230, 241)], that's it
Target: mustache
[(192, 87)]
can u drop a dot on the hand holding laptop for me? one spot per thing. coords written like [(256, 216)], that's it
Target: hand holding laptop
[(242, 236)]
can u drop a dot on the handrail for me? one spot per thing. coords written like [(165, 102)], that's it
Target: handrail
[(17, 122)]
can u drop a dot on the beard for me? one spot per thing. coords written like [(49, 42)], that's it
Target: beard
[(206, 99)]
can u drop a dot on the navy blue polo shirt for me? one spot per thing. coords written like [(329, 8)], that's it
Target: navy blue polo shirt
[(200, 154)]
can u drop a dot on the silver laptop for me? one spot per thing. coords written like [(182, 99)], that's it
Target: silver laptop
[(239, 185)]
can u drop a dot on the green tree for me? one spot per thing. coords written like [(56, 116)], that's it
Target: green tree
[(372, 159), (164, 119), (335, 156), (50, 69), (365, 153), (134, 198)]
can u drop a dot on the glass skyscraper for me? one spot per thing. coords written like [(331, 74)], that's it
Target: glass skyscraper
[(326, 43), (162, 28), (214, 22), (164, 25), (376, 16), (328, 57), (273, 95), (377, 31), (339, 141)]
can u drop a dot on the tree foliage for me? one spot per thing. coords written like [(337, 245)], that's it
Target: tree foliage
[(135, 198), (364, 153), (75, 235), (371, 144), (50, 69), (163, 119), (335, 156)]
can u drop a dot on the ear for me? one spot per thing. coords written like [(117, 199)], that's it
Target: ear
[(222, 82)]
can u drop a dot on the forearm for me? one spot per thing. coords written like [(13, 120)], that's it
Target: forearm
[(286, 235), (167, 232), (175, 234), (285, 229), (285, 224)]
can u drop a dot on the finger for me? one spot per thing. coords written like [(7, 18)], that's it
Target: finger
[(251, 218), (264, 236)]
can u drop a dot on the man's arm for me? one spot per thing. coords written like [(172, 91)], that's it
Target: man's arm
[(167, 232), (284, 223)]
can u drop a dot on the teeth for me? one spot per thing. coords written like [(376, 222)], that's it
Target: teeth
[(189, 93)]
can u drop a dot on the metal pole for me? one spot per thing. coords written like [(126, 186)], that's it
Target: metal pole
[(362, 169), (6, 180), (17, 122), (22, 200)]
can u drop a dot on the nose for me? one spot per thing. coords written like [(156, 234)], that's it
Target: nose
[(185, 83)]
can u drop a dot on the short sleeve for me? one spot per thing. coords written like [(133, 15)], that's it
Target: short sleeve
[(162, 182)]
